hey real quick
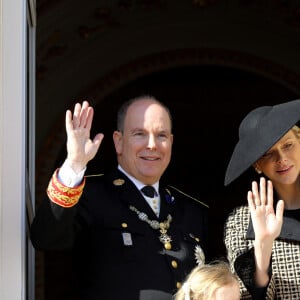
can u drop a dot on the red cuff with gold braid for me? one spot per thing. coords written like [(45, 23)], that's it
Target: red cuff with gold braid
[(62, 195)]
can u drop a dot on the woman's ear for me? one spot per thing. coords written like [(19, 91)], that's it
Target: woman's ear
[(298, 132), (257, 169), (118, 141)]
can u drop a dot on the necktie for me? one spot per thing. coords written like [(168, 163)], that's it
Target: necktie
[(149, 191)]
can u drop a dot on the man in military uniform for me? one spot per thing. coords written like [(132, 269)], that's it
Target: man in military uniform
[(133, 237)]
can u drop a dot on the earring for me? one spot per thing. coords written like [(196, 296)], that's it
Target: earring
[(258, 171)]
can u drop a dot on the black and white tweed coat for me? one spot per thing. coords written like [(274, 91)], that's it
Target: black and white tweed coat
[(285, 261)]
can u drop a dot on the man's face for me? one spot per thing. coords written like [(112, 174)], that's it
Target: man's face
[(144, 147)]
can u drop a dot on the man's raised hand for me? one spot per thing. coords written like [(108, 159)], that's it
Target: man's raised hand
[(81, 149)]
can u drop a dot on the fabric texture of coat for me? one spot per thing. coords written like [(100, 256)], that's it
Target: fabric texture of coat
[(285, 260), (118, 255)]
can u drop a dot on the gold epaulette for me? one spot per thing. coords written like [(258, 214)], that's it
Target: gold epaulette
[(183, 193)]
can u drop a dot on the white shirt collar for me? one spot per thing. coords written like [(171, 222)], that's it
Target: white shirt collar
[(138, 183)]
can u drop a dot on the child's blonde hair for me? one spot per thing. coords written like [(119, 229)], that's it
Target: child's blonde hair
[(203, 281)]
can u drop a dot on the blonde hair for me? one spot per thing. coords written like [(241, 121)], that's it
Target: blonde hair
[(296, 130), (203, 281)]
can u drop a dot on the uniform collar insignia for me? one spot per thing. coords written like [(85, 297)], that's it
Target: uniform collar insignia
[(118, 181), (168, 197)]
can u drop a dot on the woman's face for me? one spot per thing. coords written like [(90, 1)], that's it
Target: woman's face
[(281, 163), (228, 292)]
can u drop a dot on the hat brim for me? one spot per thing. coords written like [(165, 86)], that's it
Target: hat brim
[(275, 124)]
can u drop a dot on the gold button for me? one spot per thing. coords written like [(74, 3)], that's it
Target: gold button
[(168, 246), (124, 225), (174, 264), (178, 285)]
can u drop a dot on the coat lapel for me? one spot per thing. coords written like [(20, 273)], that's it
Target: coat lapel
[(130, 195), (166, 203)]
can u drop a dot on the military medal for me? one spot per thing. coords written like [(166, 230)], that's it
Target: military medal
[(164, 237), (163, 227), (199, 255)]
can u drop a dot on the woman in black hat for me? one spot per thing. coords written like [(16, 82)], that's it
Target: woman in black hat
[(264, 250)]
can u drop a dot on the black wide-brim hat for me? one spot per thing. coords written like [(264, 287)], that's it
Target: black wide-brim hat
[(258, 132)]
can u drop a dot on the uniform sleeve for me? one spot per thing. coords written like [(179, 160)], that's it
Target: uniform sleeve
[(58, 219), (49, 232)]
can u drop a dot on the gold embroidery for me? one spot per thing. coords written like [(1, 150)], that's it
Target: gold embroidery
[(62, 195)]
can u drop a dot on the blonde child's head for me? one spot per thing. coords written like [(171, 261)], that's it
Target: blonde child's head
[(213, 281)]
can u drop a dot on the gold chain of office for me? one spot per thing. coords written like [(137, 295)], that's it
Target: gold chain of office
[(163, 227)]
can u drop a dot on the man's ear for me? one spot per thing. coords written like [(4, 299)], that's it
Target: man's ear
[(118, 141), (172, 139)]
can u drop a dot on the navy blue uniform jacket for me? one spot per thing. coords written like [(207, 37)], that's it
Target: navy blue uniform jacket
[(109, 267)]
